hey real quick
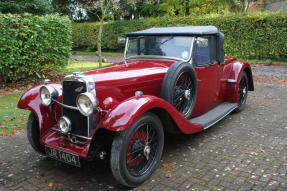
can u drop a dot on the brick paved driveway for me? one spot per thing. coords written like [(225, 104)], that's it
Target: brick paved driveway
[(245, 151)]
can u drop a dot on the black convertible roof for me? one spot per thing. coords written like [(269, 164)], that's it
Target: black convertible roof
[(192, 30)]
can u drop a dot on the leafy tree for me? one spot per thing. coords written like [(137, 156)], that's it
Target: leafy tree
[(194, 7), (101, 9), (62, 6), (39, 7)]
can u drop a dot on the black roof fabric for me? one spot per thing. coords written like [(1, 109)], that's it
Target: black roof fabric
[(192, 30)]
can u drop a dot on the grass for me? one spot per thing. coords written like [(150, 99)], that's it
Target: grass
[(103, 53), (81, 66), (12, 119)]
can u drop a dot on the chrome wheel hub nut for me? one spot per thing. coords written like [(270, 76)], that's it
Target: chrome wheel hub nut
[(147, 151), (187, 94)]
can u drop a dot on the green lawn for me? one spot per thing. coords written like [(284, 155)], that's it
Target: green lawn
[(81, 66), (103, 53), (12, 119)]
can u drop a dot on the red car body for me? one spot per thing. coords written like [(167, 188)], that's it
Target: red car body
[(120, 108)]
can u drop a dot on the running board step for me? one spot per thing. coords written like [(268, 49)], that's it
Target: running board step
[(216, 114)]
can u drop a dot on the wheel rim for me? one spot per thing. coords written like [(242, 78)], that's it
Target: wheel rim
[(242, 91), (182, 99), (142, 150)]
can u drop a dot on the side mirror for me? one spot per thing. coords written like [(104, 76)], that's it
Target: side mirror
[(121, 40)]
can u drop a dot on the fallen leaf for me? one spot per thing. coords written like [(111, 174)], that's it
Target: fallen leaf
[(165, 165), (50, 185)]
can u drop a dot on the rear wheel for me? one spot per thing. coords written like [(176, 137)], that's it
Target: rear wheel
[(242, 92), (33, 134), (136, 152)]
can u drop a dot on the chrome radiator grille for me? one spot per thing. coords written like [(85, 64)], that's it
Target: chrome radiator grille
[(80, 123)]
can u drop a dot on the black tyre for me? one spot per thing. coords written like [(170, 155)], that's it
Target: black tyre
[(179, 88), (136, 152), (33, 134), (242, 92)]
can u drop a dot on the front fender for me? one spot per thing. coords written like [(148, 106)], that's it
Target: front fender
[(127, 112), (46, 116)]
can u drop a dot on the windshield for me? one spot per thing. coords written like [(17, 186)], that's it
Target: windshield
[(167, 46)]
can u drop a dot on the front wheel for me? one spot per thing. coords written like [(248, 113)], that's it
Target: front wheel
[(33, 134), (137, 151)]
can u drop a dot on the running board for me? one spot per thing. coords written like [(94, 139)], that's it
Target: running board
[(216, 114)]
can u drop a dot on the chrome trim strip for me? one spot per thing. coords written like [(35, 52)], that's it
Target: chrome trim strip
[(84, 137), (232, 109), (66, 106), (232, 81)]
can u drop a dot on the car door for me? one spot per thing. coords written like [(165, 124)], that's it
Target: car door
[(207, 70)]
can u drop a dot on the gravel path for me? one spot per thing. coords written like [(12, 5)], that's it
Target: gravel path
[(245, 151)]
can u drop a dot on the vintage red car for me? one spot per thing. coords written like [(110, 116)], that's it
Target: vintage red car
[(173, 79)]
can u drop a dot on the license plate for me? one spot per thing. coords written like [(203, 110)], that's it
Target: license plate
[(63, 156)]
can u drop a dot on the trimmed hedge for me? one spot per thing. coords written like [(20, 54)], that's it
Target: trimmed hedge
[(33, 45), (257, 36)]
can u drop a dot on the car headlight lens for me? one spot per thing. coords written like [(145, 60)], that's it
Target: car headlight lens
[(65, 125), (86, 102), (47, 94)]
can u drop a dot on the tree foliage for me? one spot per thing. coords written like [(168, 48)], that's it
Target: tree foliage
[(38, 7)]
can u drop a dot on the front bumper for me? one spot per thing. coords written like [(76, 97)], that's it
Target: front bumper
[(56, 140)]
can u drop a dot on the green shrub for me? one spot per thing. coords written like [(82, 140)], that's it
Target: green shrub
[(33, 45), (257, 36)]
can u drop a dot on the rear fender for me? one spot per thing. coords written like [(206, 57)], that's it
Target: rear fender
[(46, 115), (234, 78), (127, 112)]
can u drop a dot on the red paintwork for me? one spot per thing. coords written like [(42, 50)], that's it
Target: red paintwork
[(115, 88)]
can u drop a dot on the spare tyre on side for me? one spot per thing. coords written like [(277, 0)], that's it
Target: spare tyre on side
[(179, 87)]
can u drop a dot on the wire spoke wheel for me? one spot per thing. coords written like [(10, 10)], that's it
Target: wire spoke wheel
[(242, 91), (243, 87), (142, 149), (179, 87), (182, 99), (136, 152)]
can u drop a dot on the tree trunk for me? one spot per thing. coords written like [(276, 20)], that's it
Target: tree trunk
[(99, 44), (247, 5)]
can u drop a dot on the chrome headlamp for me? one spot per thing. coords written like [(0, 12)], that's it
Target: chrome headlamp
[(47, 94), (65, 125), (86, 103)]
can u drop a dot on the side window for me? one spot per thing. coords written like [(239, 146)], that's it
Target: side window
[(202, 55)]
